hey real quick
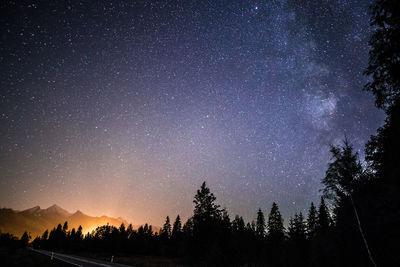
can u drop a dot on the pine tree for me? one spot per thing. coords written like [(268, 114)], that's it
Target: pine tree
[(312, 220), (166, 230), (149, 231), (79, 234), (275, 224), (205, 207), (297, 228), (45, 235), (383, 150), (25, 239), (122, 230), (72, 234), (187, 228), (260, 223), (177, 227), (324, 219), (342, 176), (344, 171), (251, 228), (129, 231), (225, 221), (384, 65), (238, 225), (65, 227)]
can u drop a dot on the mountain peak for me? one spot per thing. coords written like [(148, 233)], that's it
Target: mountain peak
[(54, 207), (32, 210), (78, 213), (56, 210)]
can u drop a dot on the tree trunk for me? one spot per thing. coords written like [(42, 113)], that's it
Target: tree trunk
[(362, 233)]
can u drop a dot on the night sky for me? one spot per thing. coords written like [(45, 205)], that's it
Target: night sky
[(125, 108)]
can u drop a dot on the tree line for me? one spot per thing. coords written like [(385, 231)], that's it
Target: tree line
[(208, 236)]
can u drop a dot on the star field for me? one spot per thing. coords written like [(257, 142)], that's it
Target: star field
[(124, 108)]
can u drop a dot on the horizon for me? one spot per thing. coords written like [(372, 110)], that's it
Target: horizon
[(265, 210)]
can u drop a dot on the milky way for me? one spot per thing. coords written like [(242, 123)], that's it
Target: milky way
[(124, 108)]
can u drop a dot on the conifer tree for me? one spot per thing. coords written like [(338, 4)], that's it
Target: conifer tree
[(205, 207), (166, 230), (122, 230), (383, 150), (312, 220), (238, 225), (275, 224), (25, 239), (177, 227), (45, 235), (324, 219), (297, 228), (79, 234), (342, 176), (384, 65), (65, 227), (149, 231), (72, 234), (344, 171), (129, 231), (260, 223), (187, 228)]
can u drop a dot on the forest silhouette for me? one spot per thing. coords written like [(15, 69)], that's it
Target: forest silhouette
[(356, 222)]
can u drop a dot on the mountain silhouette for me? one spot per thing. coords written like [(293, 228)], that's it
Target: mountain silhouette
[(36, 220), (53, 211)]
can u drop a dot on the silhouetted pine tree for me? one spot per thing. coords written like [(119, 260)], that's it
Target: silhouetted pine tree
[(342, 177), (312, 220), (324, 218), (238, 225), (166, 230), (344, 171), (205, 207), (384, 65), (65, 227), (383, 150), (260, 223), (148, 230), (79, 234), (207, 221), (252, 227), (298, 241), (381, 201), (129, 231), (72, 234), (275, 226), (187, 228), (45, 235), (297, 228), (122, 230), (276, 234), (177, 227), (25, 239)]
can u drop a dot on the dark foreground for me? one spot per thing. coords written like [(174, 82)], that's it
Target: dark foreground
[(75, 260), (25, 257)]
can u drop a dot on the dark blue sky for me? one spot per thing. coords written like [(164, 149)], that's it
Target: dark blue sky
[(125, 108)]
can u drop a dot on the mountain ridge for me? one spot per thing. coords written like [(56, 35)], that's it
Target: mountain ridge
[(36, 220)]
